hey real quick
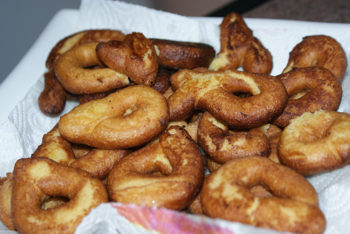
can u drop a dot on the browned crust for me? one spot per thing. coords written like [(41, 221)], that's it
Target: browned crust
[(5, 201)]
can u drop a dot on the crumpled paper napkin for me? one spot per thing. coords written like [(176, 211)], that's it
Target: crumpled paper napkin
[(23, 131)]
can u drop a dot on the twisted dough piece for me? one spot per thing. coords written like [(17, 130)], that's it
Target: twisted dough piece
[(316, 142), (319, 90), (127, 118), (214, 92), (73, 70), (222, 144), (79, 38), (37, 178), (166, 173), (292, 208), (135, 57), (319, 50), (239, 48)]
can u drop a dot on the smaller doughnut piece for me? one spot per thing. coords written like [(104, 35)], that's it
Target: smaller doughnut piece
[(239, 48), (319, 90), (226, 194), (6, 186), (79, 38), (77, 72), (214, 91), (319, 50), (99, 162), (167, 172), (135, 57), (39, 178), (55, 147), (316, 142), (127, 118), (52, 99), (183, 55), (222, 144)]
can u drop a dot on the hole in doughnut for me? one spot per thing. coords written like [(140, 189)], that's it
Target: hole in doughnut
[(260, 191), (51, 202), (129, 111), (298, 94), (242, 94)]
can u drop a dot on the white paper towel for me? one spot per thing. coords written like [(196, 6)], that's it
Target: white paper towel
[(23, 132)]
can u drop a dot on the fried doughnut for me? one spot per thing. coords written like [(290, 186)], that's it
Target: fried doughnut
[(239, 48), (293, 207), (135, 56), (162, 82), (316, 142), (319, 88), (99, 162), (215, 92), (52, 99), (80, 38), (167, 172), (222, 144), (37, 178), (319, 50), (74, 71), (183, 55), (127, 118), (55, 147), (6, 186)]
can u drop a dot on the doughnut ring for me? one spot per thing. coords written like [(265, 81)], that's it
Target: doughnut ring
[(80, 38), (167, 172), (222, 144), (214, 92), (292, 208), (38, 178), (183, 55), (319, 50), (127, 118), (6, 186), (316, 142), (74, 70), (52, 99), (135, 57), (239, 48), (319, 90)]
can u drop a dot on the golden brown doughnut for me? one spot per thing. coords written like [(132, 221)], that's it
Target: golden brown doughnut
[(167, 172), (226, 194), (215, 92), (135, 57), (37, 178), (319, 88), (55, 147), (239, 48), (6, 186), (127, 118), (79, 38), (75, 71), (183, 55), (222, 144), (316, 142), (52, 99), (319, 50)]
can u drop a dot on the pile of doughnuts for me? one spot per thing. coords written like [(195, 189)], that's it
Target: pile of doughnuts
[(172, 124)]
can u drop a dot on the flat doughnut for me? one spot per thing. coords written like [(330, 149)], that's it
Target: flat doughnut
[(293, 207), (6, 186), (74, 72), (135, 57), (214, 92), (37, 178), (319, 50), (167, 172), (52, 99), (127, 118), (79, 38), (183, 55), (316, 142), (239, 48), (319, 88), (222, 144)]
